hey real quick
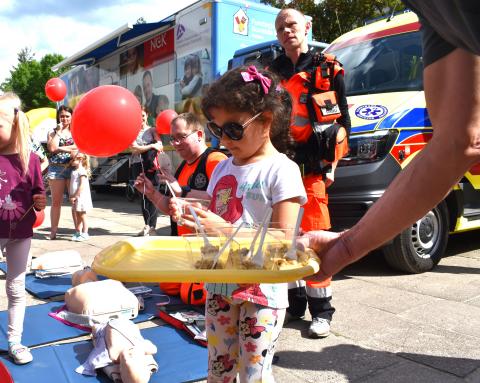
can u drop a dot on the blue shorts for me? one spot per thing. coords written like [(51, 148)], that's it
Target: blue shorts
[(59, 172)]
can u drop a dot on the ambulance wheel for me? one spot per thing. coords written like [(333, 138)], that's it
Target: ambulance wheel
[(420, 247)]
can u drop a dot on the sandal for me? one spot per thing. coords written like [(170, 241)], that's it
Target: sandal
[(19, 353)]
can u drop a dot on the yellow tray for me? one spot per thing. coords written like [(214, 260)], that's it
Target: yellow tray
[(171, 259)]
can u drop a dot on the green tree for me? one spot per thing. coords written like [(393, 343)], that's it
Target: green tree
[(331, 18), (27, 79)]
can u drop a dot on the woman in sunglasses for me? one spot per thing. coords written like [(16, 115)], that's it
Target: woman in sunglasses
[(247, 112)]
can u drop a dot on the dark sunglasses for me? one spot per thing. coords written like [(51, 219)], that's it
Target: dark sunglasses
[(232, 130)]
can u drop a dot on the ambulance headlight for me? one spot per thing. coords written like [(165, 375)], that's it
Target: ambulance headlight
[(369, 147)]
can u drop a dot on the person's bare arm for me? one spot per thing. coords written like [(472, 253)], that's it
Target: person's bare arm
[(53, 144), (139, 149), (284, 213), (452, 91)]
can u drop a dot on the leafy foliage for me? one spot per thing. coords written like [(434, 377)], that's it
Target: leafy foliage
[(28, 78), (331, 18)]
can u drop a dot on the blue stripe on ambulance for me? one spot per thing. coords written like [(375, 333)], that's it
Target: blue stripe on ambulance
[(415, 118)]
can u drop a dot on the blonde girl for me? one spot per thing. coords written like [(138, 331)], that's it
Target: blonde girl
[(80, 195), (21, 191)]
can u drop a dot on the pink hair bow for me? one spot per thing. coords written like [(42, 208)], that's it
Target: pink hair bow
[(252, 74)]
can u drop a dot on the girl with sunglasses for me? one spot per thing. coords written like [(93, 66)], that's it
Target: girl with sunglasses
[(247, 112)]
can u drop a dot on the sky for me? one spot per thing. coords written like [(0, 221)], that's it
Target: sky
[(66, 27)]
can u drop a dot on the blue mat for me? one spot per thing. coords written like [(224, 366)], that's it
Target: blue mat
[(39, 328), (179, 360), (44, 288)]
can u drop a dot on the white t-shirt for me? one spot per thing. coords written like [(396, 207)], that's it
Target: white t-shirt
[(242, 194), (84, 201)]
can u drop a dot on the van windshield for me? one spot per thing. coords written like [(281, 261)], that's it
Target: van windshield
[(387, 64)]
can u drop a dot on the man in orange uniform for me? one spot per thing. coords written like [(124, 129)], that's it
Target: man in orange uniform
[(326, 117)]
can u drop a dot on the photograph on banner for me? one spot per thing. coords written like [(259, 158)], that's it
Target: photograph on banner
[(131, 61), (79, 81), (109, 71), (193, 74)]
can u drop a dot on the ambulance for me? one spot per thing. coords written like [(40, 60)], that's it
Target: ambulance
[(390, 126)]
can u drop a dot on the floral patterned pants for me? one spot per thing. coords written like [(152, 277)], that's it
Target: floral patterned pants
[(241, 339)]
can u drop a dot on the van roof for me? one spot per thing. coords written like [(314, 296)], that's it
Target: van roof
[(406, 22)]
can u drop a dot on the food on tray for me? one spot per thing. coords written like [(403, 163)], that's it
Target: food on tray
[(209, 252), (240, 258), (237, 259)]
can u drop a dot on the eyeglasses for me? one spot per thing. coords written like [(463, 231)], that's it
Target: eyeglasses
[(179, 140), (232, 130)]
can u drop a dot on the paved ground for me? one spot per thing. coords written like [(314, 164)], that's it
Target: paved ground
[(388, 327)]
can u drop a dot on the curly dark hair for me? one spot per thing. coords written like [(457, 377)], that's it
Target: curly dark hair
[(231, 93)]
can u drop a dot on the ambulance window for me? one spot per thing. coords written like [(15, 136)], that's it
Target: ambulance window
[(388, 64)]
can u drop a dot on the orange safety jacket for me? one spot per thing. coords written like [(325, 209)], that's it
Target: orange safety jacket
[(324, 97)]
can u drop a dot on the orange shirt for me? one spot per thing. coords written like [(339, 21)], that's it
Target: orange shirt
[(212, 161)]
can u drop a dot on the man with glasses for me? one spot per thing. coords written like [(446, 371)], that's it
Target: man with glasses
[(194, 172), (296, 65)]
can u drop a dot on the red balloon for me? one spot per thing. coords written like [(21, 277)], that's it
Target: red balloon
[(55, 89), (162, 123), (106, 121), (40, 217)]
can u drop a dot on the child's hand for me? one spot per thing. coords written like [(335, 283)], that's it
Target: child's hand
[(210, 221), (73, 200), (39, 201)]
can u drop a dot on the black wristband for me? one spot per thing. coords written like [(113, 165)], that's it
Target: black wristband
[(185, 190)]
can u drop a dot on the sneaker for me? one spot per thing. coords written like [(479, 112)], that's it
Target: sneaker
[(80, 237), (291, 318), (75, 237), (19, 353), (145, 232), (152, 232), (319, 328)]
